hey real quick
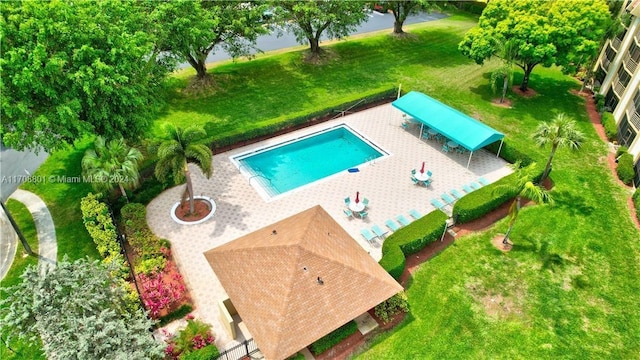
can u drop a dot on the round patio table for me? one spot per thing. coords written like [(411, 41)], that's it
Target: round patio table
[(421, 176), (452, 144), (356, 206)]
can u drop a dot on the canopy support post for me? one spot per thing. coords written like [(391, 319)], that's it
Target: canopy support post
[(500, 148), (399, 88), (421, 127), (469, 162)]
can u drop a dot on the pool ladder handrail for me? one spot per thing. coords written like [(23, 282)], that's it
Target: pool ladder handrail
[(259, 175)]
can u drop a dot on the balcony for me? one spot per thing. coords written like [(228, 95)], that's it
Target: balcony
[(619, 87), (615, 43), (630, 64), (634, 117)]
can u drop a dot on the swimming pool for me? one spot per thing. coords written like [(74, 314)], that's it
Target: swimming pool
[(280, 168)]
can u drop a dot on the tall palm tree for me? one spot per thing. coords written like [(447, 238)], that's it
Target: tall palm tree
[(183, 146), (507, 52), (110, 164), (524, 187), (560, 132)]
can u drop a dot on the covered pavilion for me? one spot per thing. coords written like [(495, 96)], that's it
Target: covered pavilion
[(299, 279), (451, 123)]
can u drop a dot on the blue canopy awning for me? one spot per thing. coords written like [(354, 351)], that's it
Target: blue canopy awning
[(456, 126)]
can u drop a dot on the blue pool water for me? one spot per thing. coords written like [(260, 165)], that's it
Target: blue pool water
[(290, 165)]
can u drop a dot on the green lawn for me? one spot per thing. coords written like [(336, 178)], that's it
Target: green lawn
[(569, 288)]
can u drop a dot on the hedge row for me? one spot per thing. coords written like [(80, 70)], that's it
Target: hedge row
[(509, 153), (486, 199), (328, 341), (271, 129), (636, 202), (609, 124), (206, 353), (411, 239), (150, 249), (98, 222), (625, 169)]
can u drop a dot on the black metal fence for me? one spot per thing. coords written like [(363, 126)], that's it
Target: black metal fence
[(239, 351)]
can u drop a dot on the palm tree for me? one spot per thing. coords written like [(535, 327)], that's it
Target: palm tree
[(111, 164), (561, 132), (523, 186), (181, 148), (507, 52)]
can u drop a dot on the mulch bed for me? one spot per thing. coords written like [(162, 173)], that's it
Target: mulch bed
[(202, 208)]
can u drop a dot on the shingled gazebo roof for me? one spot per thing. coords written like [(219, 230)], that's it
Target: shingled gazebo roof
[(296, 280)]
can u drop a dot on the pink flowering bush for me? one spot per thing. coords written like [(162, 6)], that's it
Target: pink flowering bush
[(159, 291), (196, 335)]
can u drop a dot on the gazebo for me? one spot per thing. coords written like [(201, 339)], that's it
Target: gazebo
[(463, 129), (298, 279)]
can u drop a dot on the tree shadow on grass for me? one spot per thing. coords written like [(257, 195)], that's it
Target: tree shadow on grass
[(572, 204)]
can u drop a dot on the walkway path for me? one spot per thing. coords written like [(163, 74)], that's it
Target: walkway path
[(47, 244), (8, 241)]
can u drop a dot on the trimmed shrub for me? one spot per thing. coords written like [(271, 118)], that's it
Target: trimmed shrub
[(270, 129), (636, 202), (484, 200), (411, 239), (175, 315), (98, 222), (509, 153), (333, 338), (625, 168), (599, 99), (297, 356), (206, 353), (609, 124), (152, 252), (621, 150), (195, 336), (392, 306)]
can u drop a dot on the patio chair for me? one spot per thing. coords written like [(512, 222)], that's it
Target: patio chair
[(475, 185), (461, 150), (483, 181), (367, 234), (427, 182), (429, 173), (456, 193), (402, 220), (405, 125), (363, 214), (437, 204), (347, 201), (365, 202), (413, 171), (348, 212), (415, 214), (415, 181), (392, 225), (378, 231), (447, 198), (467, 188), (445, 147)]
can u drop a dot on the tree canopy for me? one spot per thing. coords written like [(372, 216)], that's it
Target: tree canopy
[(191, 30), (76, 68), (544, 32), (309, 20), (78, 312), (402, 9)]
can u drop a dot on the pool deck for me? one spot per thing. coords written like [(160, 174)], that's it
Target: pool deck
[(385, 182)]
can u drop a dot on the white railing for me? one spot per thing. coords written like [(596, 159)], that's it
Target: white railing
[(630, 64)]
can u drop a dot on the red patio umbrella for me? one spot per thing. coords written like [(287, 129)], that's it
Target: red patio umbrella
[(422, 169), (357, 197)]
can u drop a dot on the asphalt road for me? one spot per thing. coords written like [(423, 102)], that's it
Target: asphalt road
[(16, 167), (376, 21)]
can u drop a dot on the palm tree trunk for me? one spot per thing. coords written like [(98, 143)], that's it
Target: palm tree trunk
[(514, 210), (547, 169), (123, 192), (505, 85), (187, 175)]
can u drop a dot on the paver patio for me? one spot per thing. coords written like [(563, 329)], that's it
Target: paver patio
[(385, 182)]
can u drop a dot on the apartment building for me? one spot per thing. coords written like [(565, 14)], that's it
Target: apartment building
[(618, 73)]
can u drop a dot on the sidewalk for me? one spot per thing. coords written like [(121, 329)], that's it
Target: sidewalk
[(8, 242)]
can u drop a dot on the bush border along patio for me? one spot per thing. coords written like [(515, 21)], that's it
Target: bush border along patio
[(411, 239), (333, 338), (609, 124)]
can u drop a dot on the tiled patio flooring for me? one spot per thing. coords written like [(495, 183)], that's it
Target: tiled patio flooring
[(240, 210)]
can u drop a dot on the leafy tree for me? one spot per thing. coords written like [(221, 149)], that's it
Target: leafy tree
[(174, 154), (542, 32), (524, 187), (112, 164), (75, 68), (402, 9), (561, 132), (78, 312), (191, 30), (308, 20)]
